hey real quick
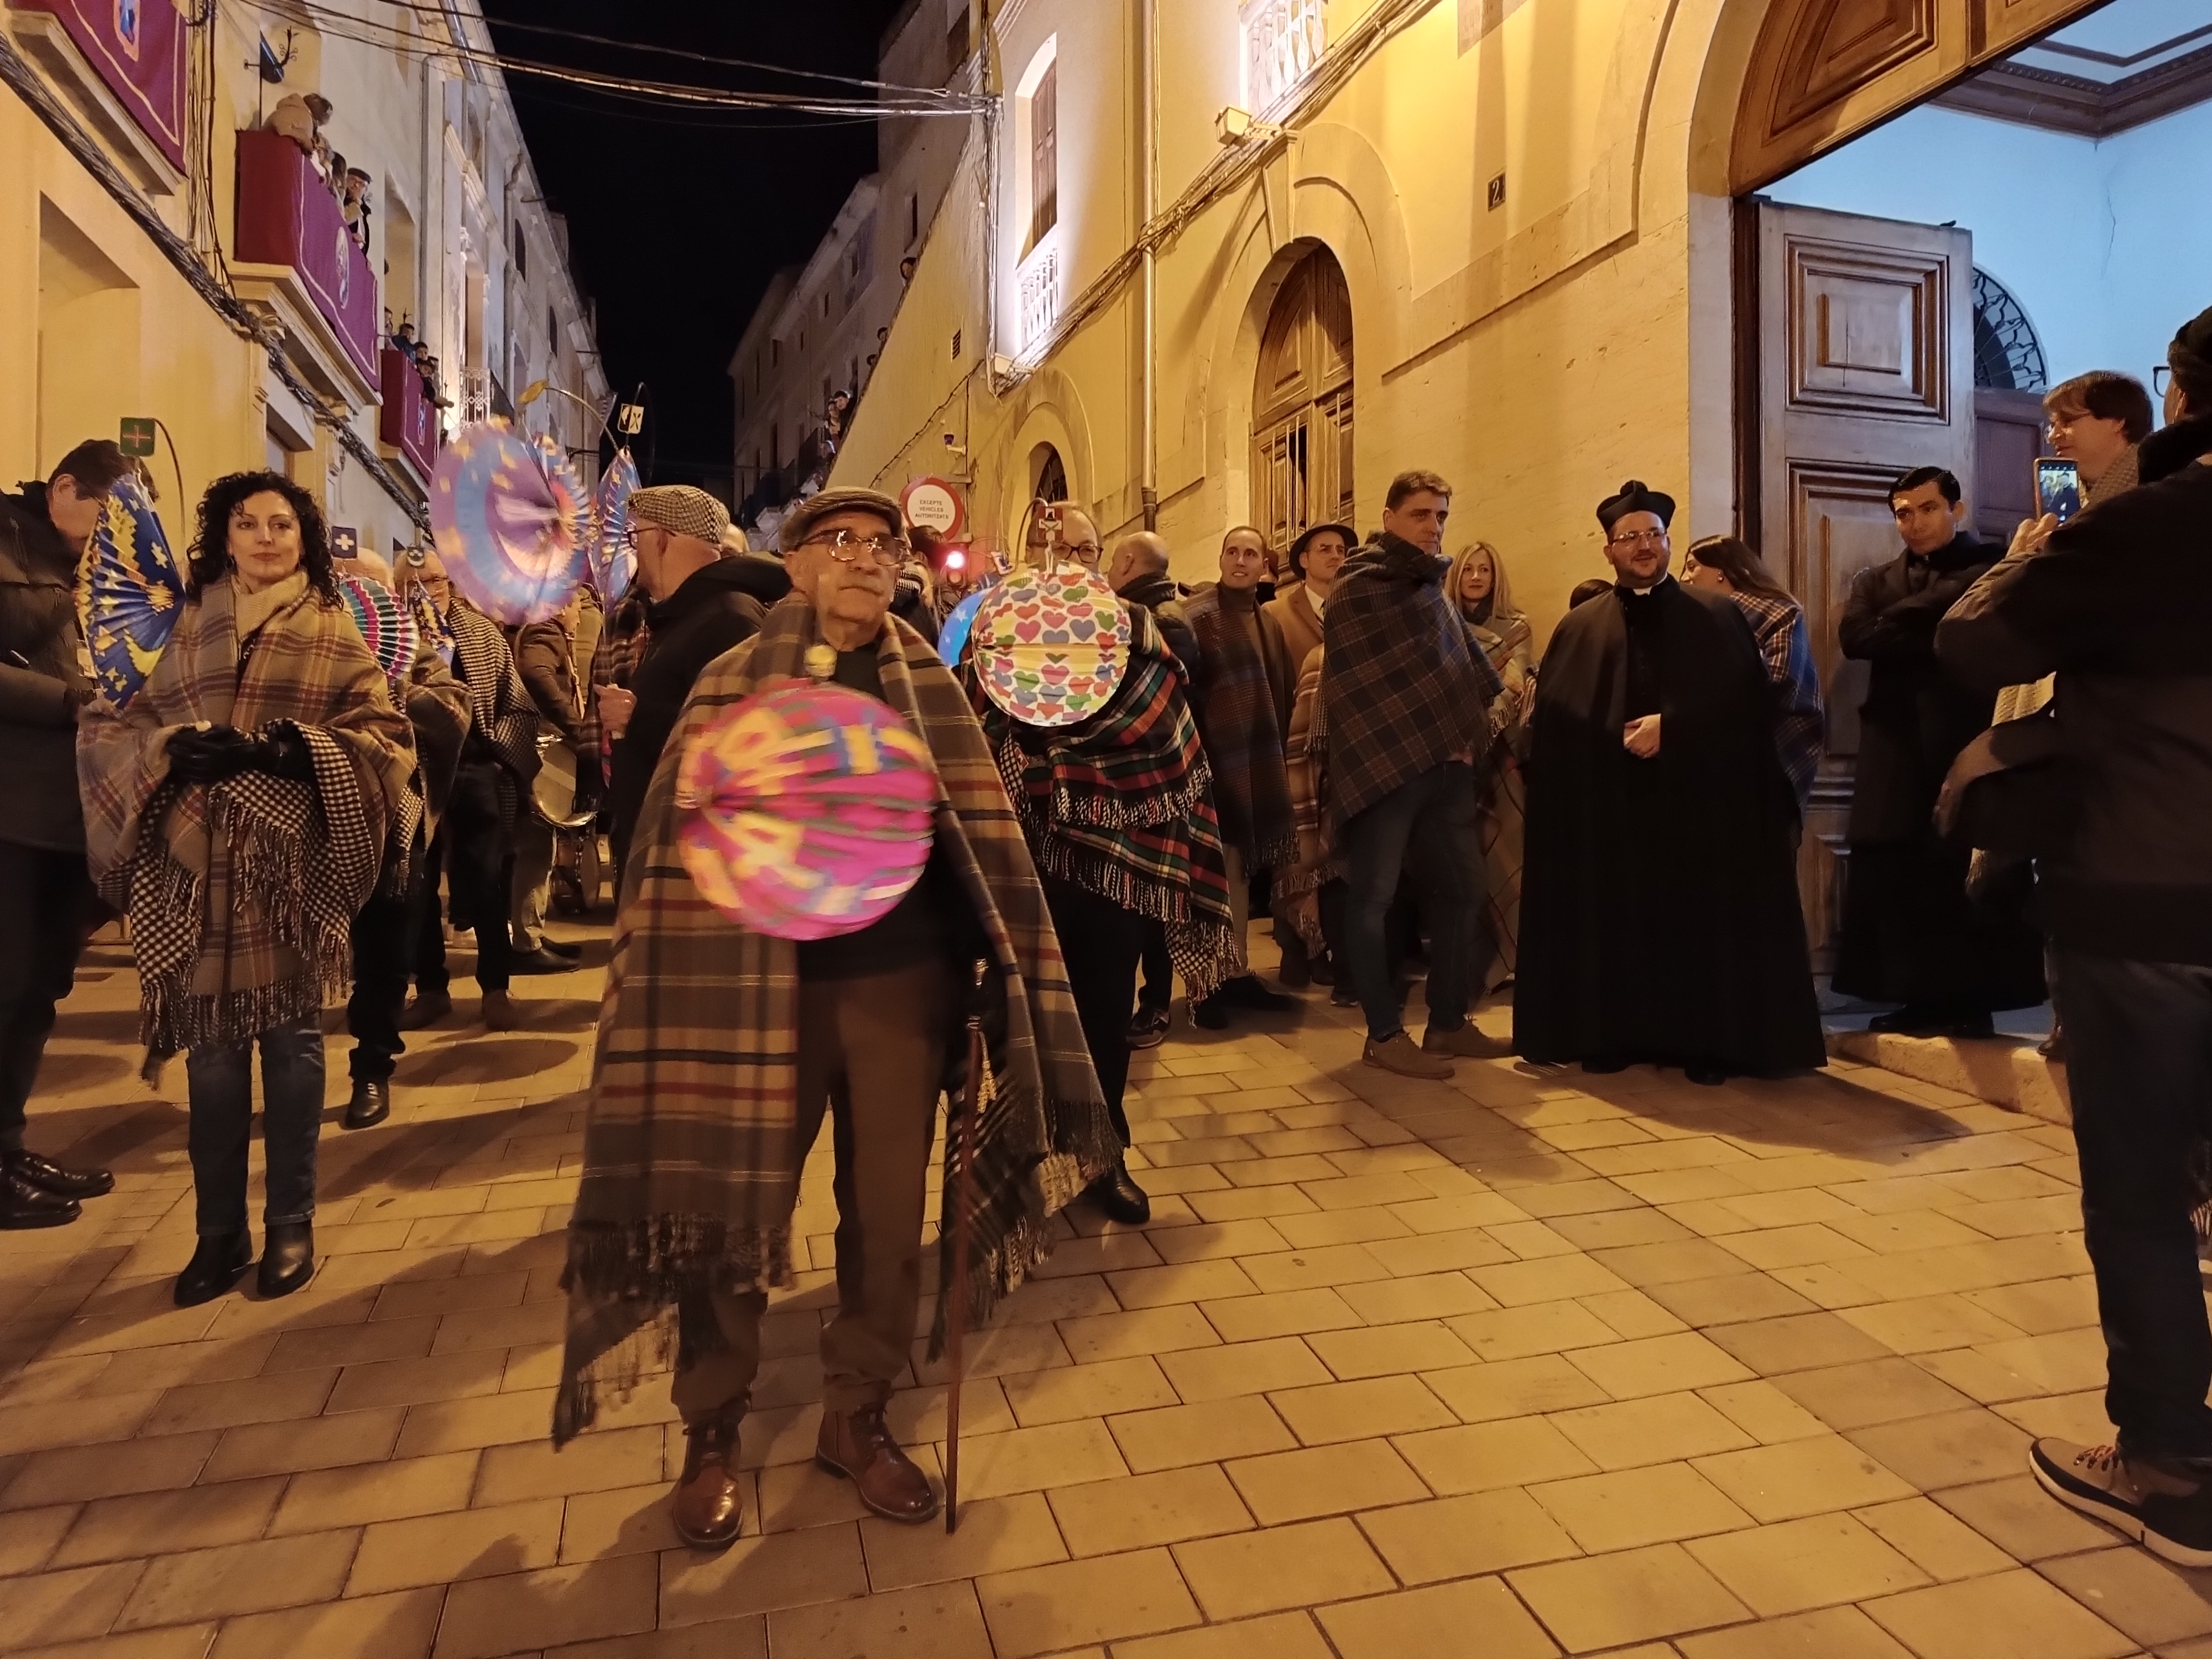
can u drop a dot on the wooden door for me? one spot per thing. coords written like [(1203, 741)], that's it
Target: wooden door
[(1302, 405), (2008, 437), (1865, 370)]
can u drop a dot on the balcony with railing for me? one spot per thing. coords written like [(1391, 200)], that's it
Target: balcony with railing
[(407, 426), (295, 259)]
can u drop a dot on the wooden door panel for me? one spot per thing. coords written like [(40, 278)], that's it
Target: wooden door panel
[(2008, 437), (1873, 336), (1864, 370)]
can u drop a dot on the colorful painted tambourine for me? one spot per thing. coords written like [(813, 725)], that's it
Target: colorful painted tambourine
[(807, 810), (130, 592), (388, 626), (614, 553), (508, 517), (1051, 646)]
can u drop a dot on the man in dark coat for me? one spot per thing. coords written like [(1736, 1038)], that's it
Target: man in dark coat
[(1659, 912), (704, 603), (47, 906), (1909, 934), (2115, 605)]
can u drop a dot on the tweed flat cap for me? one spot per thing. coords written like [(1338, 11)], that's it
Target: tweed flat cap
[(804, 515), (682, 511)]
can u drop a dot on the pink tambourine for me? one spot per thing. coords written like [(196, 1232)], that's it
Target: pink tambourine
[(808, 811), (1050, 646)]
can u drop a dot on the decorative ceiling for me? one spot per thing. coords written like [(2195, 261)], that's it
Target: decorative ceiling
[(2123, 64)]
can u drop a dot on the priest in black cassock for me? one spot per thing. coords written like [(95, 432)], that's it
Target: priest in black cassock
[(1660, 918)]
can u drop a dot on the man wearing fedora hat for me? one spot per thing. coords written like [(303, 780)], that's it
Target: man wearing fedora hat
[(703, 602)]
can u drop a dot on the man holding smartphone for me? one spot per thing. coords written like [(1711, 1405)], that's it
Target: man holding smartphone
[(2115, 605)]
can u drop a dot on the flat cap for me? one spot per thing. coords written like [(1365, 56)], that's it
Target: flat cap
[(803, 516), (682, 511)]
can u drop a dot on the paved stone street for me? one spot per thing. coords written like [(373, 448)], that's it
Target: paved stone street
[(1511, 1366)]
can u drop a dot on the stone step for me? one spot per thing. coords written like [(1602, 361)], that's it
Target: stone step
[(2004, 1071)]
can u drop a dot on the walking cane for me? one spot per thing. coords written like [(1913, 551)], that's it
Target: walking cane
[(960, 1147)]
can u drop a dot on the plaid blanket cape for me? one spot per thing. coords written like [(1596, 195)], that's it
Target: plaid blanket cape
[(1296, 896), (690, 1169), (1801, 721), (240, 895), (1122, 805), (1243, 730), (499, 704), (1404, 686)]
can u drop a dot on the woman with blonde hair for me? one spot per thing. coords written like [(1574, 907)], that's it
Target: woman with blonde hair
[(1478, 584)]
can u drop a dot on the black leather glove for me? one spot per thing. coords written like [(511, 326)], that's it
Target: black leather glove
[(210, 755), (283, 752)]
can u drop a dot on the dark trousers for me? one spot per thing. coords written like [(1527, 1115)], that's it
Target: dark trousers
[(471, 853), (219, 1080), (873, 1052), (381, 935), (1427, 826), (2139, 1060), (47, 910), (1158, 989), (1101, 944)]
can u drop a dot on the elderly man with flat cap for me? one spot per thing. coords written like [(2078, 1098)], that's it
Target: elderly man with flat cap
[(702, 601), (1659, 912), (720, 1048)]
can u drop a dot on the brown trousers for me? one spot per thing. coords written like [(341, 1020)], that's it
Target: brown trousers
[(872, 1050)]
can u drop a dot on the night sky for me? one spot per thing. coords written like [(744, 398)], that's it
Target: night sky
[(677, 217)]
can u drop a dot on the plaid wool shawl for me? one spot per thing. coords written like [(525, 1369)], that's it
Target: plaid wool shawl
[(615, 657), (1243, 727), (1801, 721), (1296, 893), (1403, 685), (240, 895), (1122, 805), (499, 702), (691, 1164)]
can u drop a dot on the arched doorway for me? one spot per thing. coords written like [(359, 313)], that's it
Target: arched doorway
[(1302, 404), (1048, 475)]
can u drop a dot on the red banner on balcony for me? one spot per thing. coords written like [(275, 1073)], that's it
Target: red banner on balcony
[(137, 47), (409, 421), (288, 216)]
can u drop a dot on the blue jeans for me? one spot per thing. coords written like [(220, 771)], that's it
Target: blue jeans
[(220, 1078), (2139, 1060), (1427, 826)]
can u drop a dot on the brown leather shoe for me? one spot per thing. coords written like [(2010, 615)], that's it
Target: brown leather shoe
[(858, 1445), (706, 1505), (1465, 1042)]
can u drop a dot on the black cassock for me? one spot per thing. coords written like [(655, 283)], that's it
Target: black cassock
[(1659, 912)]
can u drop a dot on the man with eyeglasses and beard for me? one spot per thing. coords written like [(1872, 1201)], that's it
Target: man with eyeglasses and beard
[(703, 602), (1659, 914)]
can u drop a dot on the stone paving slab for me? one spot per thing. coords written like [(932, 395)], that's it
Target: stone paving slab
[(1527, 1362)]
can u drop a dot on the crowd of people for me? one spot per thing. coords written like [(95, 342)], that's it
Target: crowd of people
[(1358, 738)]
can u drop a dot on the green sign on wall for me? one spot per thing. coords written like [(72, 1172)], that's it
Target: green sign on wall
[(137, 436)]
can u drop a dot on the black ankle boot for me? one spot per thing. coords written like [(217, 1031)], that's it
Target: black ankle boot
[(288, 1257), (371, 1103), (1120, 1197), (216, 1262)]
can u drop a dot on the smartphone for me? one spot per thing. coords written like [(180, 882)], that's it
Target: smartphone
[(2057, 487)]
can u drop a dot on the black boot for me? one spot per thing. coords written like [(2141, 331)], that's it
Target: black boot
[(1118, 1195), (57, 1179), (24, 1204), (371, 1103), (215, 1265), (288, 1257)]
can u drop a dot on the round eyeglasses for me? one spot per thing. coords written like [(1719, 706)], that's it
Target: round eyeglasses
[(884, 552)]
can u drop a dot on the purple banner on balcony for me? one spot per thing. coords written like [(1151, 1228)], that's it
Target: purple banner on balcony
[(409, 421), (137, 47), (288, 216)]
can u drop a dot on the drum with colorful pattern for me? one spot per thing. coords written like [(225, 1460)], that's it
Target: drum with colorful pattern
[(807, 810), (1051, 646)]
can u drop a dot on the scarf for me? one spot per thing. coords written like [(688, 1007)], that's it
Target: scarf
[(690, 1169), (1121, 804), (1296, 894), (1243, 727), (1405, 687), (241, 894)]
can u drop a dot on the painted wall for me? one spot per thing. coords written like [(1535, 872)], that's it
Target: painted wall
[(2090, 237)]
